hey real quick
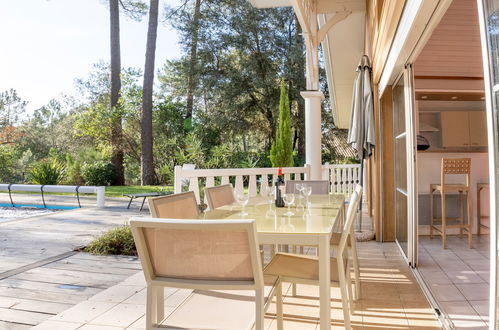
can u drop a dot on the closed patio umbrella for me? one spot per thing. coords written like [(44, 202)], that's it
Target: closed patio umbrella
[(361, 131)]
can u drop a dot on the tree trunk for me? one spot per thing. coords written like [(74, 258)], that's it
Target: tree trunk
[(117, 155), (192, 78), (147, 175), (301, 85)]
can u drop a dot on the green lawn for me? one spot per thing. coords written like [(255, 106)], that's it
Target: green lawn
[(111, 191), (119, 191)]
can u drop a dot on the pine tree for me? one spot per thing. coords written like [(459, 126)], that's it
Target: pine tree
[(146, 133), (281, 153)]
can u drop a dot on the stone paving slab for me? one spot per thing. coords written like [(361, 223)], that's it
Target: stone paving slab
[(40, 276), (391, 299)]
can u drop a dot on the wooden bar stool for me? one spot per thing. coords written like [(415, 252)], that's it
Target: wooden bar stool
[(479, 216), (452, 166)]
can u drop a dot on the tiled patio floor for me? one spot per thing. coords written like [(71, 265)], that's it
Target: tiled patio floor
[(391, 300), (458, 278)]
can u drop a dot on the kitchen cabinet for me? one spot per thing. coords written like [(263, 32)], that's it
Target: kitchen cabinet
[(464, 129), (478, 128)]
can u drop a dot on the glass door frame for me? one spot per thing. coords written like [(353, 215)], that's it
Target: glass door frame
[(411, 168), (412, 191), (492, 112)]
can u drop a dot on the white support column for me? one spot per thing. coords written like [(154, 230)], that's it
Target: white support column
[(101, 196), (313, 132)]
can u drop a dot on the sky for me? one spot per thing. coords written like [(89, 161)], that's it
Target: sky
[(47, 44)]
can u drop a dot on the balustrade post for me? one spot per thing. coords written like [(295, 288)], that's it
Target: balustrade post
[(177, 185)]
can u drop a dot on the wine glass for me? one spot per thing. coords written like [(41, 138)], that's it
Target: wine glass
[(270, 195), (300, 187), (242, 199), (289, 199), (307, 191)]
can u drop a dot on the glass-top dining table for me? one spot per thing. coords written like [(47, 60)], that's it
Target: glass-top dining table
[(310, 226)]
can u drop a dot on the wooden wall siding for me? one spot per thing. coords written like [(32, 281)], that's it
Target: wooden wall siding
[(383, 18), (454, 48), (388, 166)]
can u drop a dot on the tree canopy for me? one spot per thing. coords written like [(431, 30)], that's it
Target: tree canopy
[(232, 94)]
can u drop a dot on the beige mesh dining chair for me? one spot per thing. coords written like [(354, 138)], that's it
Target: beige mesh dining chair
[(177, 206), (452, 166), (303, 269), (219, 196), (202, 255), (319, 187)]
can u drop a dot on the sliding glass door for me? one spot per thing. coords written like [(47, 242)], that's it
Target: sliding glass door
[(405, 194), (489, 26)]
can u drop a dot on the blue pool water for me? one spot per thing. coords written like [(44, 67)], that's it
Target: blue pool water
[(49, 207)]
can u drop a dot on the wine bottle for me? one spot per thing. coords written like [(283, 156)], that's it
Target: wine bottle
[(279, 202)]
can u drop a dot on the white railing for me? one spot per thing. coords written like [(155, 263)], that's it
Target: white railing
[(343, 177), (252, 178), (99, 191)]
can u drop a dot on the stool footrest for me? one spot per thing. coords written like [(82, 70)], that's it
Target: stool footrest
[(465, 227), (447, 219)]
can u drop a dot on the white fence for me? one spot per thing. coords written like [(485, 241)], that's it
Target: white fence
[(342, 177), (99, 191), (253, 178)]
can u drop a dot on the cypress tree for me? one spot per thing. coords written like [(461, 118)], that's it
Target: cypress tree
[(281, 152)]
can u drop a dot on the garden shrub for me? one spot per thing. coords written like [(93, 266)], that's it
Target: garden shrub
[(47, 172), (99, 173), (115, 241), (73, 171), (7, 161), (132, 171)]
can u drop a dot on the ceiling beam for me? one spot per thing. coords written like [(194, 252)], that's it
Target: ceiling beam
[(338, 17), (328, 6), (301, 14), (270, 4)]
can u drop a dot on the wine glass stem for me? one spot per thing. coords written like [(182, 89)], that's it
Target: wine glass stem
[(289, 211)]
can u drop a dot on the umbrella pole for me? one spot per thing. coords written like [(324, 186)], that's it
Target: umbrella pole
[(361, 196)]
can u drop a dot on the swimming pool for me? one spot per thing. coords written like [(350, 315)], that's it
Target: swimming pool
[(8, 213), (35, 206)]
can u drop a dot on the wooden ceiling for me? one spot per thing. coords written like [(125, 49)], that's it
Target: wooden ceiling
[(454, 48)]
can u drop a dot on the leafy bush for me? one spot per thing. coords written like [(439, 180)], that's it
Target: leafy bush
[(115, 241), (47, 172), (350, 160), (7, 161), (99, 173), (132, 171), (73, 171)]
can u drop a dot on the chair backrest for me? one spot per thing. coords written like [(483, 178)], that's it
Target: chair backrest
[(353, 206), (219, 196), (452, 166), (199, 253), (319, 187), (177, 206)]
